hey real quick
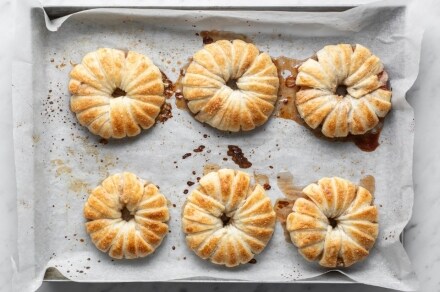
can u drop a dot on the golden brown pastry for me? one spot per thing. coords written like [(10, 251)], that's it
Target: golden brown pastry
[(231, 86), (226, 220), (336, 225), (127, 216), (354, 69), (116, 94)]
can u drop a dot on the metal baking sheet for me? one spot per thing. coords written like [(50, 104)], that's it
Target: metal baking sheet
[(52, 274)]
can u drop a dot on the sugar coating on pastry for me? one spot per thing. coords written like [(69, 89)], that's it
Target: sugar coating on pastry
[(364, 99), (145, 208), (227, 221), (336, 225), (231, 86), (116, 94)]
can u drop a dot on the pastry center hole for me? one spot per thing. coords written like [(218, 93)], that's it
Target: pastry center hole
[(341, 90), (232, 84), (225, 219), (126, 214), (118, 92), (333, 222)]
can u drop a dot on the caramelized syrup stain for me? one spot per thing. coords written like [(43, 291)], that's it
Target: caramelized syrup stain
[(285, 108), (369, 141), (165, 113), (238, 156), (199, 149), (168, 86), (207, 40), (103, 141)]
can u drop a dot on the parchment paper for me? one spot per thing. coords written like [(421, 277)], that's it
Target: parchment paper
[(58, 162)]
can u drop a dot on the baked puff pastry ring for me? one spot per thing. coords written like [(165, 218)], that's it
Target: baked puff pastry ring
[(226, 220), (116, 94), (127, 216), (231, 86), (336, 223)]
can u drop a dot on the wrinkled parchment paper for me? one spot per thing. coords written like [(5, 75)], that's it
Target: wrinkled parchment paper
[(58, 162)]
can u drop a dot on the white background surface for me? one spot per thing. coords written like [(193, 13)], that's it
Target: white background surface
[(421, 239)]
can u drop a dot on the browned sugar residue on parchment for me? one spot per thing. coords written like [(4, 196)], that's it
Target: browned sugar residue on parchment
[(168, 86), (75, 185), (262, 180), (283, 206), (370, 140), (210, 167), (35, 138), (178, 88), (78, 186), (285, 108), (61, 167), (238, 156), (165, 113), (93, 154), (166, 110), (286, 184), (89, 147)]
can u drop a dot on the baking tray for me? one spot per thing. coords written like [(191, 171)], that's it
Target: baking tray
[(57, 11)]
